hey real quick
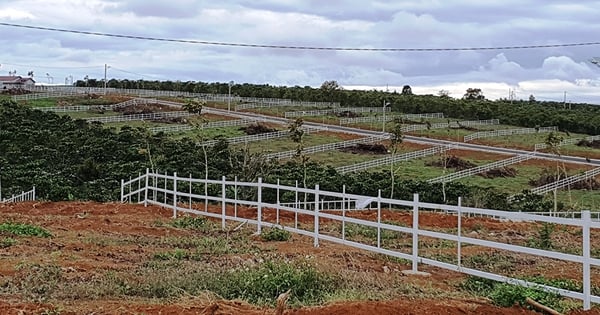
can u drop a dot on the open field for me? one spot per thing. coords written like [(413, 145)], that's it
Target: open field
[(119, 258)]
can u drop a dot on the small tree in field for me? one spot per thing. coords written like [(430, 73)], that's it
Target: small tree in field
[(296, 134), (395, 142)]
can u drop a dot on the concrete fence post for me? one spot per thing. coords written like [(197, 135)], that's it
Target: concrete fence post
[(316, 234), (459, 234), (223, 202), (587, 285), (259, 208), (379, 218), (146, 188), (174, 195)]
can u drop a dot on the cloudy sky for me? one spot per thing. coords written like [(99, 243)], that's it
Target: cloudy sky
[(547, 73)]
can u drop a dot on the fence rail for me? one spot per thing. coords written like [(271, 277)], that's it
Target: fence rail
[(261, 137), (184, 195), (480, 169), (320, 112), (391, 160), (456, 124), (23, 196), (367, 119), (85, 108), (280, 103), (134, 117), (325, 147), (507, 132), (541, 146), (566, 181), (207, 125)]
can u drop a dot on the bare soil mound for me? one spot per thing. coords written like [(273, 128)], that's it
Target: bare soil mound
[(365, 148), (258, 128), (591, 144), (547, 176), (500, 172), (452, 161), (347, 114), (145, 109)]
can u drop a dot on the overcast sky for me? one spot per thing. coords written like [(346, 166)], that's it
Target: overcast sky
[(547, 73)]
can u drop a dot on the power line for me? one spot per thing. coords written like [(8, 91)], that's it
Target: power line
[(202, 42)]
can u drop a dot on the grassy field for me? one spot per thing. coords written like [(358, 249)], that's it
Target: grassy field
[(286, 144)]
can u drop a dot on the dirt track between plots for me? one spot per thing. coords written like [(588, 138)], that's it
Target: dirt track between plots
[(76, 246)]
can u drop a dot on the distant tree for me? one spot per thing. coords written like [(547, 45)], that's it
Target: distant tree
[(30, 74), (330, 90), (406, 90), (474, 94), (531, 99), (444, 93), (194, 106)]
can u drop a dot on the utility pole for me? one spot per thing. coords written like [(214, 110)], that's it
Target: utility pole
[(229, 99), (385, 104), (105, 70), (565, 100)]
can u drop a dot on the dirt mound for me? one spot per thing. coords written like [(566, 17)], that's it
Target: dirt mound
[(365, 148), (347, 114), (258, 128), (591, 144), (500, 172), (452, 161), (546, 177), (590, 183)]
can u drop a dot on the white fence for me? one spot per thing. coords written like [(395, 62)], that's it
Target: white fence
[(85, 108), (391, 160), (480, 169), (566, 181), (184, 195), (23, 196), (507, 132), (207, 125), (457, 124), (368, 119), (325, 147), (286, 103), (134, 117), (261, 137), (321, 112), (541, 146)]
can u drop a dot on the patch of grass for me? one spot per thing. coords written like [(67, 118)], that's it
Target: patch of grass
[(276, 234), (507, 295), (37, 282), (177, 254), (192, 223), (544, 237), (24, 229), (7, 242), (490, 262)]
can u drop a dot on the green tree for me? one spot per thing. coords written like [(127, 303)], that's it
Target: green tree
[(396, 139), (474, 94)]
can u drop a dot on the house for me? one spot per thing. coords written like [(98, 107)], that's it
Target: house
[(9, 82)]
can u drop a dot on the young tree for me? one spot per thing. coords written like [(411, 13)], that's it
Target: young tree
[(296, 134), (395, 141), (553, 141), (407, 90)]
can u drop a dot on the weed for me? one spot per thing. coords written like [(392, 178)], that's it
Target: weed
[(544, 237), (491, 262), (23, 229), (7, 242), (276, 234)]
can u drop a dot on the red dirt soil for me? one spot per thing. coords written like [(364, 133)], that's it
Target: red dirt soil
[(70, 222)]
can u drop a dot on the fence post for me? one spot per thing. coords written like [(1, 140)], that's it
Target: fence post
[(415, 236), (33, 193), (223, 203), (165, 187), (122, 190), (259, 207), (190, 192), (344, 212), (296, 206), (139, 180), (379, 218), (174, 195), (587, 291), (146, 188), (459, 233), (316, 239), (277, 219), (235, 182)]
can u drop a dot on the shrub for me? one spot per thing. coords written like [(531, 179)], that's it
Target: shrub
[(191, 223), (7, 242)]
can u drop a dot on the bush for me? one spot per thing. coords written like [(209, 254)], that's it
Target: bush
[(191, 223), (276, 234)]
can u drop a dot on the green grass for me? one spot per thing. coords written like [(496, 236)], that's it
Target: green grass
[(23, 229), (286, 144)]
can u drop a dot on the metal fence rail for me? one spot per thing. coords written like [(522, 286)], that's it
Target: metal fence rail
[(184, 195), (367, 119), (481, 169), (507, 132), (541, 146), (391, 160), (566, 181), (456, 124), (321, 112), (23, 196), (326, 147), (134, 117)]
